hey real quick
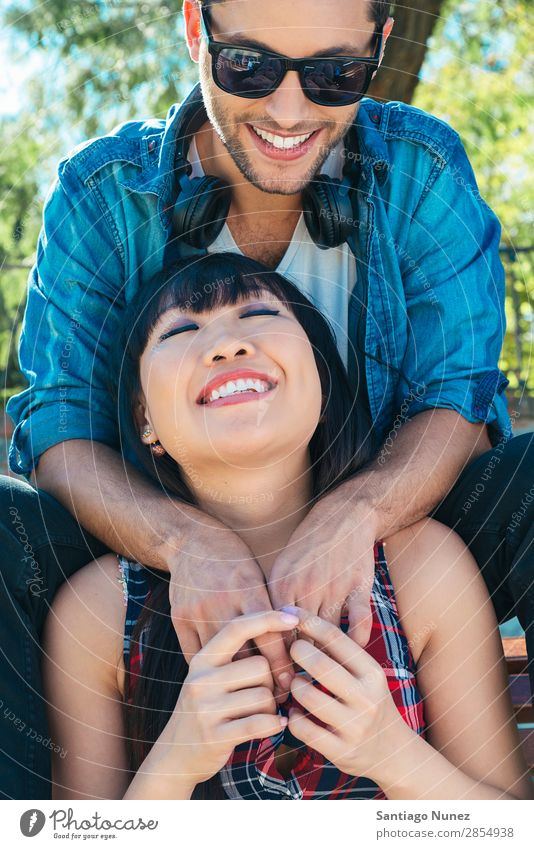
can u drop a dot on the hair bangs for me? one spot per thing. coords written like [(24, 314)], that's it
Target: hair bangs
[(208, 285)]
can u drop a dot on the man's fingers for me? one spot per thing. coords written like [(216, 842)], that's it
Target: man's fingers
[(273, 648), (360, 619), (246, 651), (332, 612), (187, 637)]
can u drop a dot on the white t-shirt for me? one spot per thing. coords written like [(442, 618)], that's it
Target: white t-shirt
[(326, 277)]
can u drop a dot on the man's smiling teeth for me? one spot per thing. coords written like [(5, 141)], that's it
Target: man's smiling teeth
[(281, 142), (234, 386)]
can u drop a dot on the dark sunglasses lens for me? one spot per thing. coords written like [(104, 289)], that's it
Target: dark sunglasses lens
[(334, 83), (248, 73)]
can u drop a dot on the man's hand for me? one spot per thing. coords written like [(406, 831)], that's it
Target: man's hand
[(214, 578), (329, 562)]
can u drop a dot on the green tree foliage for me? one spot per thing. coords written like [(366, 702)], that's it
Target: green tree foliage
[(479, 78), (113, 58), (20, 212)]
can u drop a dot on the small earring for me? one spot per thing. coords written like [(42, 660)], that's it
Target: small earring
[(157, 449), (146, 433)]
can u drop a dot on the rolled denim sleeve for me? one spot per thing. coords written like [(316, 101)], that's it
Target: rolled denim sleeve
[(73, 304), (454, 287)]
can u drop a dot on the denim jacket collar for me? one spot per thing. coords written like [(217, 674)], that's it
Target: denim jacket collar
[(158, 152)]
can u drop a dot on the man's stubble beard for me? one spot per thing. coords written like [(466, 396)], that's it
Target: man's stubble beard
[(228, 132)]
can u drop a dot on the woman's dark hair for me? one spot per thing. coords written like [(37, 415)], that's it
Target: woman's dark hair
[(338, 449)]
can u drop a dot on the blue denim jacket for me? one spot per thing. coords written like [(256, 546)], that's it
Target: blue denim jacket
[(426, 244)]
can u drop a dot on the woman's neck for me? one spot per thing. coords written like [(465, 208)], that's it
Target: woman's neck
[(263, 507)]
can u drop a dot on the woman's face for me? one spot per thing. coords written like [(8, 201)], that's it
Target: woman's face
[(235, 385)]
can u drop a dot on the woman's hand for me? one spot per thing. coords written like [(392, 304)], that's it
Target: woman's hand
[(359, 726), (222, 702)]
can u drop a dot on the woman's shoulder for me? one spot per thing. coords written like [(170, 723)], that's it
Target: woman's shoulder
[(89, 610), (434, 576), (96, 587)]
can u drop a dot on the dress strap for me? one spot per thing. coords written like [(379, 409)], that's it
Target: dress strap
[(135, 588)]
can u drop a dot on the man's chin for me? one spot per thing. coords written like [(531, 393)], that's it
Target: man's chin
[(280, 183), (280, 187)]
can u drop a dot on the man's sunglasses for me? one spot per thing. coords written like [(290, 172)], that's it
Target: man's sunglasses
[(252, 72)]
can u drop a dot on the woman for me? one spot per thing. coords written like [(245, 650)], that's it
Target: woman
[(422, 712)]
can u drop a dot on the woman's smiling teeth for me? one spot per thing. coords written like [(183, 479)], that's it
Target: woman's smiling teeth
[(281, 142), (232, 387)]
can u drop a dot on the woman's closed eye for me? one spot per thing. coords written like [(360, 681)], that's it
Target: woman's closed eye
[(185, 327), (260, 311), (176, 330)]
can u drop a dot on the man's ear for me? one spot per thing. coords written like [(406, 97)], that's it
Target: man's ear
[(193, 36), (388, 26)]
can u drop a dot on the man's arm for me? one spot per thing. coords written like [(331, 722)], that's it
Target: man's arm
[(330, 559), (406, 481), (206, 559)]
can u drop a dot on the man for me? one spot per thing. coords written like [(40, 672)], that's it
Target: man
[(432, 321)]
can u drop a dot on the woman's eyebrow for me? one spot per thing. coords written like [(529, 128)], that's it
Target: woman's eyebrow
[(171, 314)]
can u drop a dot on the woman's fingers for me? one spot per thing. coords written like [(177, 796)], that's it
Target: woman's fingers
[(255, 727), (308, 732), (335, 643), (319, 704), (334, 677), (231, 638), (248, 703), (253, 671)]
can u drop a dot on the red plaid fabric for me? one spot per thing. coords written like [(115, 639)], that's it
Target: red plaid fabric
[(250, 772)]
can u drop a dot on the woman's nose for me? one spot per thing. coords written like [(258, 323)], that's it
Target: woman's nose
[(228, 349)]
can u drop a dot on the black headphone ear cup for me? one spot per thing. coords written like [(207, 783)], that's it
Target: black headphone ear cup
[(327, 212), (201, 210)]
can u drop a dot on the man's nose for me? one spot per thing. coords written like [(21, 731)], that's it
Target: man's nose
[(289, 107)]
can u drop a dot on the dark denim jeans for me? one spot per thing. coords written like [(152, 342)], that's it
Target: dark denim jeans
[(41, 545), (491, 507)]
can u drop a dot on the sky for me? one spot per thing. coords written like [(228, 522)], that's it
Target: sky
[(16, 69)]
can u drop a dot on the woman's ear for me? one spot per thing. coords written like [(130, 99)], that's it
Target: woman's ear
[(146, 431)]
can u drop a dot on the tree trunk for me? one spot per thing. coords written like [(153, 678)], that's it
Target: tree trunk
[(405, 51)]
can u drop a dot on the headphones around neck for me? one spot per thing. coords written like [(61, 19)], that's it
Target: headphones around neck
[(203, 203)]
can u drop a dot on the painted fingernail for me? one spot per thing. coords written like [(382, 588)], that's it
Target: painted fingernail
[(290, 618), (290, 608)]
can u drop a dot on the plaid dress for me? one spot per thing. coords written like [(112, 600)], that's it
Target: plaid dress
[(250, 772)]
